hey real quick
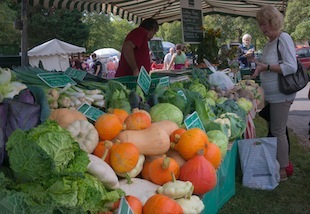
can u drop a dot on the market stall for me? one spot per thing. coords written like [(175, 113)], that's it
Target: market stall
[(170, 118)]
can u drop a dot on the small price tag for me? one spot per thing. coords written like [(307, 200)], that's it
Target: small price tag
[(90, 111), (124, 207), (55, 80), (164, 81), (144, 80), (180, 92), (193, 121)]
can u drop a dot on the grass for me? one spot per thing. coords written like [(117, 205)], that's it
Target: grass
[(291, 196)]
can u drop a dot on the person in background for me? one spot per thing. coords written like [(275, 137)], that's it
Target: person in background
[(97, 66), (167, 58), (178, 59), (111, 68), (246, 51), (135, 49), (270, 21)]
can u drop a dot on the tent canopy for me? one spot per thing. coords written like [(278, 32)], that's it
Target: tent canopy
[(55, 47), (161, 10), (54, 54)]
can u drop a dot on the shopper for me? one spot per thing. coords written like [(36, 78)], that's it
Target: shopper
[(135, 50), (178, 59), (246, 51), (270, 21), (97, 65)]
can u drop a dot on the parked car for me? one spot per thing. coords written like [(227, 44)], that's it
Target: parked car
[(303, 54)]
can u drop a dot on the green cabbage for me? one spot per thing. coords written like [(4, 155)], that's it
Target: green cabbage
[(166, 111), (198, 87), (43, 151), (220, 139)]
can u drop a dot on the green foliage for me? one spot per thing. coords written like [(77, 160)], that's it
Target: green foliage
[(61, 24), (297, 19), (171, 32), (8, 34)]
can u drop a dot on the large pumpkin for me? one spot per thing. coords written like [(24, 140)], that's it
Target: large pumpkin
[(213, 154), (200, 172), (161, 204), (191, 142)]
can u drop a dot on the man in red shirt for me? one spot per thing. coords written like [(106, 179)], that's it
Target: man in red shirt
[(135, 50)]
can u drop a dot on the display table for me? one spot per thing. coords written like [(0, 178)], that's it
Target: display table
[(225, 187)]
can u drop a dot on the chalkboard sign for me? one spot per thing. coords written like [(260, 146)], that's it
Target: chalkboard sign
[(55, 80), (75, 73), (192, 25), (90, 111)]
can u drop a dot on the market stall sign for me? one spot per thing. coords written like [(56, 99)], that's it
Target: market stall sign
[(193, 121), (55, 80), (144, 80), (75, 73), (124, 207), (90, 111)]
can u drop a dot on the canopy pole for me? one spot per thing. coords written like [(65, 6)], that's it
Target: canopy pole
[(24, 18)]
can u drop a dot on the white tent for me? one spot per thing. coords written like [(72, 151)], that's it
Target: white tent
[(107, 52), (53, 54)]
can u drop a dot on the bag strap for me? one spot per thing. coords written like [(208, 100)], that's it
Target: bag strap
[(279, 54)]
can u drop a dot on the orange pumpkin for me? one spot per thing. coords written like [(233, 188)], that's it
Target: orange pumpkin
[(137, 121), (108, 126), (146, 165), (191, 142), (161, 204), (213, 154), (200, 172), (124, 157), (102, 150), (120, 113), (134, 203), (161, 168)]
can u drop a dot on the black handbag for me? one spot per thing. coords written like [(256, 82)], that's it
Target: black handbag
[(293, 82)]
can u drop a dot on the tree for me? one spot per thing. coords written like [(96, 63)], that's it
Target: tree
[(122, 28), (45, 24), (171, 32), (297, 21), (8, 33)]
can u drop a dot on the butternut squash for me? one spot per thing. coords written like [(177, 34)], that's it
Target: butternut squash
[(154, 140)]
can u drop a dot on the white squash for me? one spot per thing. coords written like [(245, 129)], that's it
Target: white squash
[(192, 205), (85, 134), (141, 188), (103, 172)]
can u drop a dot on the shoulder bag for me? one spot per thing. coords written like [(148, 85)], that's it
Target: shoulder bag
[(293, 82)]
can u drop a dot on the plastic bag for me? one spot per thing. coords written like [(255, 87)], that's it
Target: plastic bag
[(259, 164), (219, 78)]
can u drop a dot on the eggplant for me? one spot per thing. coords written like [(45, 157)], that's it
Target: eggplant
[(134, 99)]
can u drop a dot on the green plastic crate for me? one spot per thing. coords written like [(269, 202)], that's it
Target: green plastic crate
[(131, 82), (225, 187)]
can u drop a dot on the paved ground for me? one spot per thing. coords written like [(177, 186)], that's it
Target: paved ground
[(299, 116)]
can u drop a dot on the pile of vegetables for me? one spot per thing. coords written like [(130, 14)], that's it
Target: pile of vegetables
[(139, 147)]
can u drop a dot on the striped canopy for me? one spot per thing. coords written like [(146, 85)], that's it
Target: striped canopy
[(161, 10)]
